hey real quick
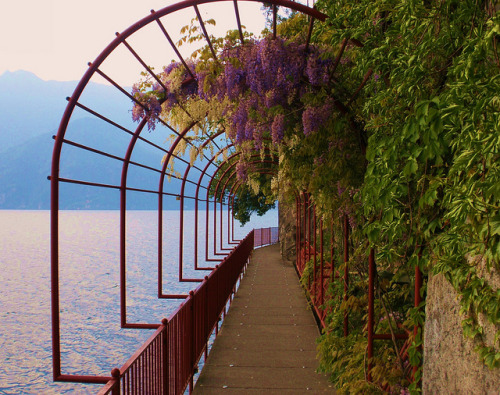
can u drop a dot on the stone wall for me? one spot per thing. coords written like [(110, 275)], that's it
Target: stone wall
[(287, 229), (451, 366)]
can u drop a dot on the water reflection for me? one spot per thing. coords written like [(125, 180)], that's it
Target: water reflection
[(91, 340)]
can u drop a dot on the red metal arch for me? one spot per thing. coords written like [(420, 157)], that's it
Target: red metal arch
[(135, 136)]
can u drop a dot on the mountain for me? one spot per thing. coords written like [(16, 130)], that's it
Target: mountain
[(30, 107), (30, 112), (24, 170)]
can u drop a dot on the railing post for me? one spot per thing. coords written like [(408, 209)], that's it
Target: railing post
[(371, 292), (216, 274), (418, 300), (115, 373), (207, 315), (164, 352), (297, 229), (321, 261), (315, 277), (346, 272), (332, 251), (308, 239), (193, 341)]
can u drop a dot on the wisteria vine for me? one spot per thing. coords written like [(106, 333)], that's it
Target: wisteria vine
[(263, 84)]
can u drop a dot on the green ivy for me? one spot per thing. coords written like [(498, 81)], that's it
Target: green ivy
[(431, 190)]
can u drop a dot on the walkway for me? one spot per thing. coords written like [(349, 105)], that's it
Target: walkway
[(267, 342)]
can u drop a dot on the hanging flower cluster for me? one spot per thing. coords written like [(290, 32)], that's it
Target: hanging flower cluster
[(264, 85)]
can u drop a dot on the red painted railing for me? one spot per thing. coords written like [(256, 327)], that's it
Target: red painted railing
[(266, 236), (168, 360), (311, 247)]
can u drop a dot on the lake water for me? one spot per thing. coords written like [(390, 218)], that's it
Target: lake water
[(91, 339)]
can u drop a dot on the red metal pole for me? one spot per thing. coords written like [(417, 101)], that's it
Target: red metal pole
[(332, 251), (297, 230), (321, 237), (215, 224), (229, 220), (315, 280), (308, 238), (181, 233), (370, 324), (232, 219), (160, 204), (123, 210), (54, 258), (346, 272), (221, 216), (193, 340), (303, 233), (418, 300)]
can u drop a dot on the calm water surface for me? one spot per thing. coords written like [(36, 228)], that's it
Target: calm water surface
[(91, 339)]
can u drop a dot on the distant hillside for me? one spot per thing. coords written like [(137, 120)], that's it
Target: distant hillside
[(30, 112), (30, 107), (24, 170)]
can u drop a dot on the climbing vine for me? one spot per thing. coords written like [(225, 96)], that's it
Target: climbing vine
[(431, 112), (391, 117)]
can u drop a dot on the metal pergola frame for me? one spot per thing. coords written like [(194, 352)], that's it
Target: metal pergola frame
[(62, 140)]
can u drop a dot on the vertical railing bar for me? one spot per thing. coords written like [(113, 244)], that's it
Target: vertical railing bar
[(140, 375), (308, 239), (418, 300), (297, 249), (321, 262), (314, 295), (215, 224), (152, 367), (159, 366), (136, 375), (148, 371), (332, 251), (346, 272), (158, 375), (164, 356), (181, 234), (371, 289), (220, 219)]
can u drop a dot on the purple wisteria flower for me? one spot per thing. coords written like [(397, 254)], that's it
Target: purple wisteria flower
[(242, 170), (278, 128), (313, 118)]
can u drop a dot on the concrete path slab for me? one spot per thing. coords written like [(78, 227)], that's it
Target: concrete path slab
[(267, 343)]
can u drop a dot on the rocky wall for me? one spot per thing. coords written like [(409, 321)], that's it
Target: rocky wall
[(451, 366)]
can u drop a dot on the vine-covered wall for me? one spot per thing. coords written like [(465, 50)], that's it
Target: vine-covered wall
[(390, 119), (450, 363)]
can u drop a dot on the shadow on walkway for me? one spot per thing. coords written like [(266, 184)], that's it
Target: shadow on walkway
[(267, 341)]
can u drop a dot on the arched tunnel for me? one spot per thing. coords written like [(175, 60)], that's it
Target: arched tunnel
[(195, 227), (191, 180)]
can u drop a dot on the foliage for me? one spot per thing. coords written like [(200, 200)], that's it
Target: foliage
[(344, 357), (390, 117), (247, 203), (431, 113)]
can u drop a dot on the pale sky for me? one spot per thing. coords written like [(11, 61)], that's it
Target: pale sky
[(56, 38)]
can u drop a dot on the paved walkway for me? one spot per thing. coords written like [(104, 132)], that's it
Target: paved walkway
[(267, 341)]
